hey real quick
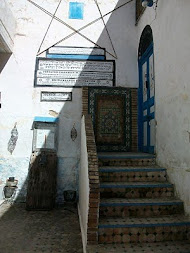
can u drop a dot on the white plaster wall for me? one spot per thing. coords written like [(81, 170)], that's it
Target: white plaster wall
[(32, 22), (83, 186), (21, 101), (7, 27), (171, 35)]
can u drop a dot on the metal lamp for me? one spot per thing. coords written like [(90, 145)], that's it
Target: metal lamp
[(147, 3)]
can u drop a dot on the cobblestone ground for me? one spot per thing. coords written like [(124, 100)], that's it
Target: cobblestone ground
[(24, 231)]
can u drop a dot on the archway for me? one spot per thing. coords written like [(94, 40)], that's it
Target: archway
[(146, 107)]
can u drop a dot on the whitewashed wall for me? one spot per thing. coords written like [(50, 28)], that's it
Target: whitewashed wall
[(171, 36), (21, 101), (83, 186), (7, 27)]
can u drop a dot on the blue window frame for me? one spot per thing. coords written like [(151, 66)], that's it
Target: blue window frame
[(76, 10)]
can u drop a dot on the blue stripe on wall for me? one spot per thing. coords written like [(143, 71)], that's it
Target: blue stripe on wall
[(45, 119), (77, 57), (183, 223)]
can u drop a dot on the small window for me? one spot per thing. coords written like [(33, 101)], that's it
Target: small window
[(76, 10)]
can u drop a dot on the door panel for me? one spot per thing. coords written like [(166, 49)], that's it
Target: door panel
[(146, 102), (145, 113), (152, 109), (145, 135), (144, 67), (151, 75), (152, 133), (41, 189)]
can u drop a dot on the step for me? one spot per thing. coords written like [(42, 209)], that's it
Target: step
[(158, 247), (118, 207), (137, 230), (132, 174), (136, 190), (126, 159)]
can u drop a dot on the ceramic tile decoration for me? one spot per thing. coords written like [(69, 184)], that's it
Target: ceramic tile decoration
[(111, 115), (138, 206)]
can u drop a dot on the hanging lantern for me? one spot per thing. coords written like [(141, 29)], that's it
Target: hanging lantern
[(147, 3)]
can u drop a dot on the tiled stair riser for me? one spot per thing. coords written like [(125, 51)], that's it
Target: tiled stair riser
[(140, 211), (144, 192), (158, 247), (133, 176), (144, 234), (126, 162), (137, 203)]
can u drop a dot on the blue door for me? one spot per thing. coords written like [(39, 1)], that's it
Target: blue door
[(146, 102)]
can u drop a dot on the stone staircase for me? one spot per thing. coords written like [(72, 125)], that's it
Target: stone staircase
[(137, 203)]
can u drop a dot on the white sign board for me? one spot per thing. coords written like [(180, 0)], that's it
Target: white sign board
[(74, 73), (73, 82), (76, 51), (56, 96), (102, 66)]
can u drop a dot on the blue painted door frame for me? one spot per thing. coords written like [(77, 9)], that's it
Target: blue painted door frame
[(146, 114)]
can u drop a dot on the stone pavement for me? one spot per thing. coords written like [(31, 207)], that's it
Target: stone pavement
[(53, 231)]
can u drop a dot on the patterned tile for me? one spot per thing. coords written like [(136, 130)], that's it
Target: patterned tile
[(135, 190), (139, 207), (140, 230), (172, 247), (130, 174), (39, 231), (126, 162), (111, 116)]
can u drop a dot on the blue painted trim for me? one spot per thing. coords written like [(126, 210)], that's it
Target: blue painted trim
[(76, 56), (151, 101), (147, 53), (145, 225), (125, 157), (142, 204), (46, 119), (136, 186), (145, 105), (132, 170), (148, 108), (151, 149)]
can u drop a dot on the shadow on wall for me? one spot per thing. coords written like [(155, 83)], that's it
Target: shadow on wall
[(4, 57), (43, 168)]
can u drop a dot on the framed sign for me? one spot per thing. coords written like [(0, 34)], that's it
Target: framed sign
[(44, 136), (76, 50), (74, 73), (47, 96)]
